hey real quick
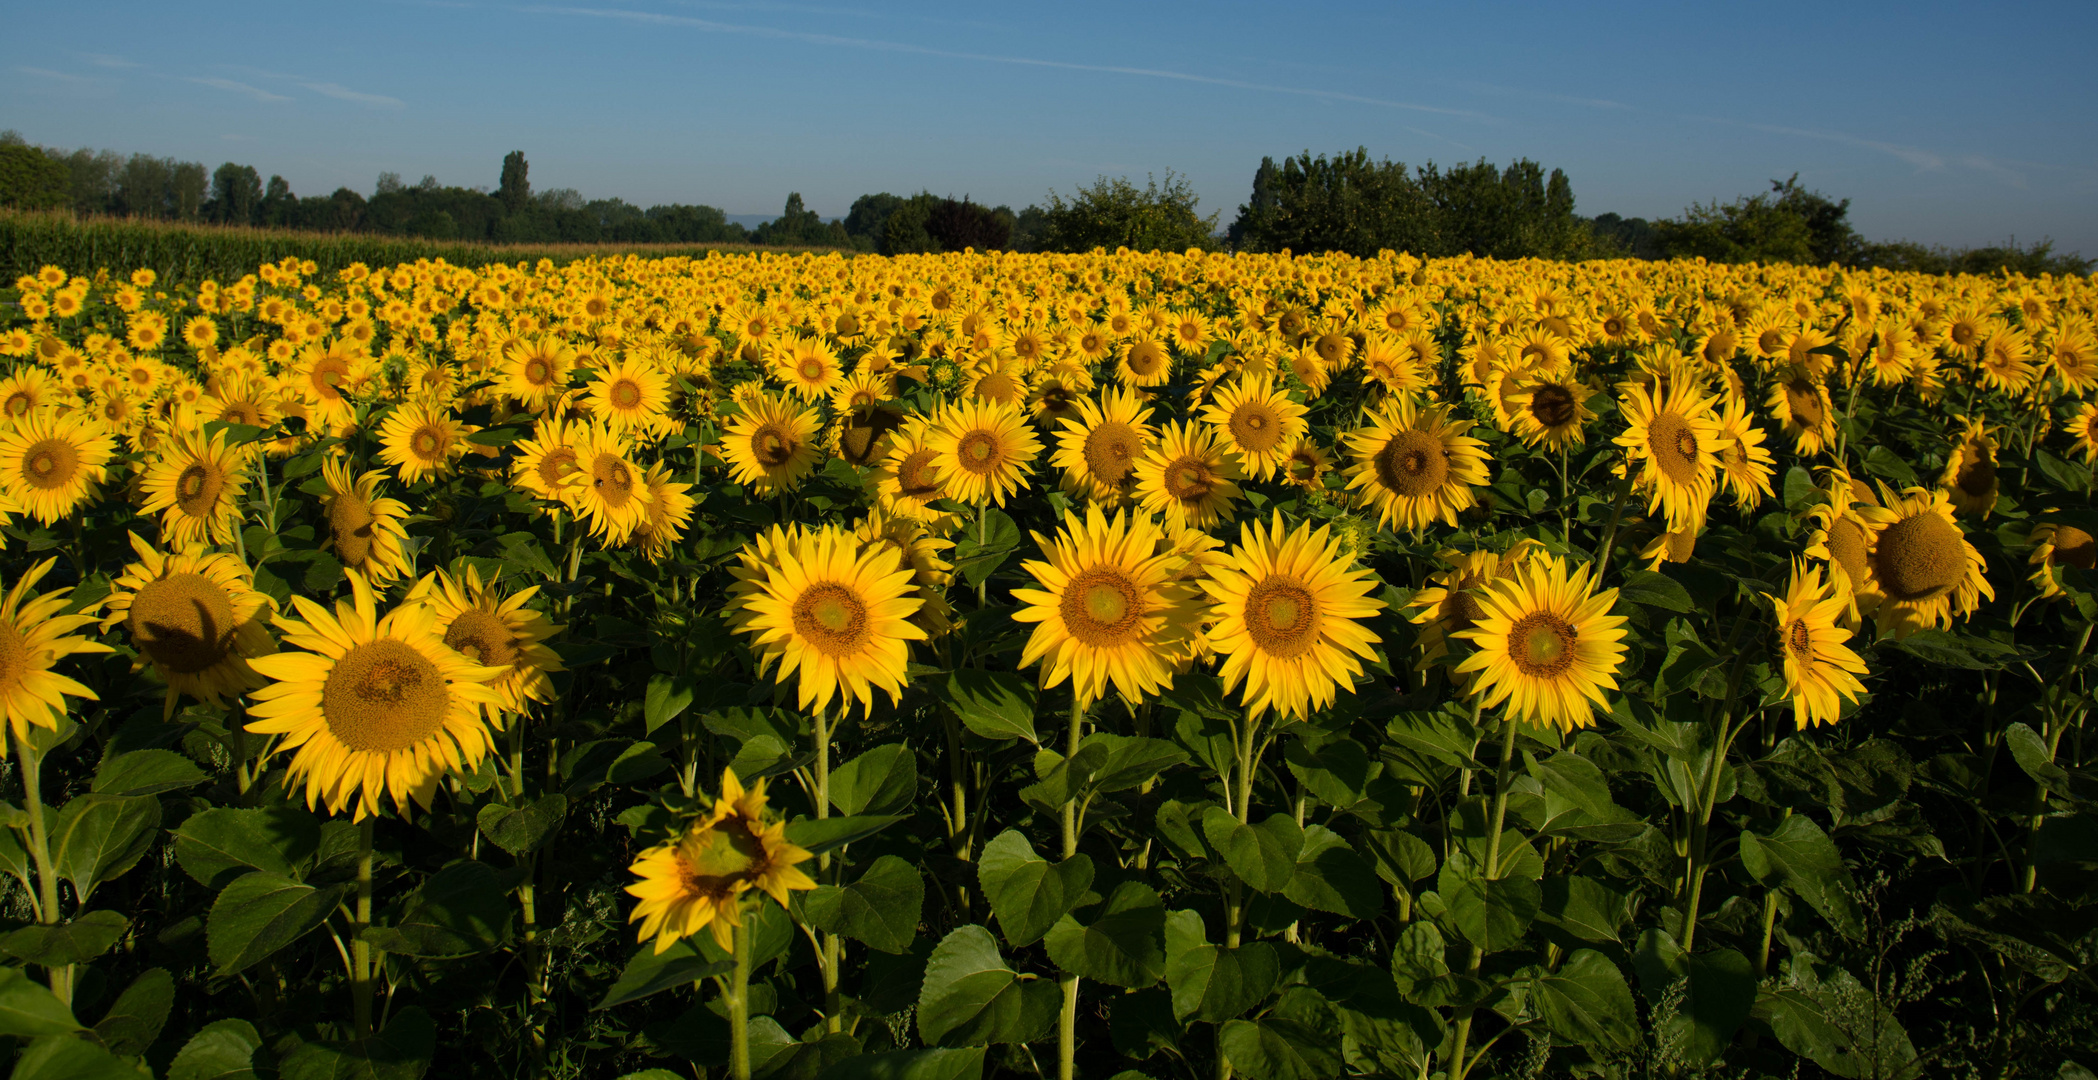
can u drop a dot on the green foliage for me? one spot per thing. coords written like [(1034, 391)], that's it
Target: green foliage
[(1113, 213), (31, 179)]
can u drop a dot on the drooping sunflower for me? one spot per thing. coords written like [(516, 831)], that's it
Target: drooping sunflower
[(629, 396), (375, 707), (2055, 547), (1820, 671), (697, 881), (1285, 609), (1925, 570), (1109, 609), (1801, 403), (834, 617), (50, 462), (364, 529), (907, 483), (1098, 448), (610, 489), (195, 617), (493, 630), (1970, 471), (1189, 477), (420, 439), (1551, 411), (1415, 464), (1259, 422), (195, 486), (1675, 441), (545, 460), (1547, 644), (33, 637), (1449, 603), (771, 445), (983, 450), (536, 371), (669, 511)]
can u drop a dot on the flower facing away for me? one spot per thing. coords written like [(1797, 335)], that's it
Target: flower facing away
[(33, 637), (697, 881)]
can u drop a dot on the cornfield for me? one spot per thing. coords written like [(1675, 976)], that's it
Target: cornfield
[(1119, 665)]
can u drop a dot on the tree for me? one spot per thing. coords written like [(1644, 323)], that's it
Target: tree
[(1114, 213), (186, 188), (515, 191), (277, 201), (1787, 224), (236, 195), (31, 179), (389, 182), (958, 225), (1345, 203)]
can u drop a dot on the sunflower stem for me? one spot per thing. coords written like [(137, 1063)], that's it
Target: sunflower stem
[(360, 949), (1492, 870), (739, 1005), (1609, 542), (32, 762), (833, 952), (1067, 1018)]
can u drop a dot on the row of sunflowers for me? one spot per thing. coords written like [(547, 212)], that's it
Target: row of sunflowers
[(1110, 665)]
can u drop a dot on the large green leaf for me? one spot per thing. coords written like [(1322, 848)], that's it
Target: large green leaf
[(880, 909), (1336, 771), (960, 1063), (1587, 1001), (77, 941), (650, 972), (1822, 1013), (401, 1052), (1583, 908), (64, 1057), (883, 780), (520, 830), (1120, 944), (217, 846), (1210, 982), (134, 1021), (1027, 892), (1491, 913), (972, 997), (1799, 856), (1711, 992), (221, 1050), (821, 835), (260, 913), (28, 1010), (98, 837), (461, 910), (994, 704), (146, 772), (1274, 1049), (1264, 856), (1330, 877)]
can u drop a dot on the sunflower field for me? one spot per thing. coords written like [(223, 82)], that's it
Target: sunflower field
[(1120, 665)]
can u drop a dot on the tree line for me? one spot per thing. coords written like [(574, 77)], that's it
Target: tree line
[(1346, 202)]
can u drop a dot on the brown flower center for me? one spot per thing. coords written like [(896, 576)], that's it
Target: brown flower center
[(1111, 449), (1977, 472), (483, 638), (197, 489), (1256, 427), (384, 696), (1541, 645), (1673, 444), (1413, 464), (1282, 617), (980, 453), (1920, 558), (626, 394), (613, 480), (50, 464), (832, 618), (185, 622), (916, 476), (773, 444), (1800, 640), (1102, 607), (1552, 405), (1189, 479), (2073, 547), (350, 521)]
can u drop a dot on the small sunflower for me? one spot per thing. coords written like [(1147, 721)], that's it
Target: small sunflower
[(1675, 442), (1801, 403), (1145, 362), (195, 485), (50, 463), (907, 483), (545, 461), (34, 636), (610, 489), (1925, 570), (1970, 478), (1099, 447), (834, 616), (493, 630), (1551, 411), (669, 512), (1547, 644), (2055, 547), (1415, 464), (364, 530), (697, 881), (535, 372), (1820, 671), (2084, 430), (1745, 467), (1109, 610), (808, 366), (1189, 477), (1449, 603), (195, 617), (629, 396), (1307, 464), (984, 449), (1259, 422), (1286, 608), (420, 439), (772, 445)]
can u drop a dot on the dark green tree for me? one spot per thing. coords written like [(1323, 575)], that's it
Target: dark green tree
[(515, 190), (1787, 224), (236, 195), (1113, 213), (31, 179)]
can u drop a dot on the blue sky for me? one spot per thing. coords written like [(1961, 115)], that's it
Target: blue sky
[(1946, 123)]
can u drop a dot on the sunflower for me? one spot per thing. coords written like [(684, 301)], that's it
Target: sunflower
[(836, 616), (1098, 449), (364, 530), (1801, 403), (697, 881), (907, 483), (1449, 603), (1415, 464), (34, 636), (1820, 671), (375, 706), (771, 445), (2072, 350), (50, 462), (1547, 644), (323, 377), (1285, 608), (1923, 568), (195, 485), (2055, 547), (610, 489), (669, 511), (1552, 411), (1188, 477), (861, 390), (629, 396), (2084, 430), (917, 548), (1307, 464), (2006, 359), (808, 366), (1675, 442), (545, 460), (1109, 609), (1970, 471), (195, 617), (1146, 362), (983, 449), (1258, 422), (1745, 467), (420, 439), (493, 630), (536, 372)]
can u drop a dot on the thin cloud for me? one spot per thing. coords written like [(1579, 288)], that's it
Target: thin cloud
[(105, 60), (1997, 169), (876, 45), (229, 85), (1923, 160), (59, 76), (343, 93)]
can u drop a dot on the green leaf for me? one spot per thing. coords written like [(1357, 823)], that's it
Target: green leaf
[(64, 1057), (217, 846), (222, 1050), (1210, 982), (1799, 487), (1490, 913), (881, 909), (1275, 1049), (2032, 755), (1336, 772), (1330, 877), (97, 837), (134, 1022), (1882, 462), (520, 830), (961, 1063), (1027, 892), (1120, 945), (1063, 779), (972, 997), (668, 696), (500, 436), (1176, 824), (28, 1010), (260, 913), (997, 705), (1578, 781), (461, 910), (1655, 590), (1718, 989), (146, 772), (1944, 649), (883, 780), (1584, 908), (1799, 856), (821, 835), (77, 941), (1588, 1002), (981, 547), (1130, 761), (401, 1052), (651, 972), (1822, 1013), (1264, 856), (1418, 956)]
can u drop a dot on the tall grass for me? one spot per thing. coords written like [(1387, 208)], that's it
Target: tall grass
[(191, 253)]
